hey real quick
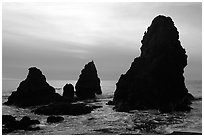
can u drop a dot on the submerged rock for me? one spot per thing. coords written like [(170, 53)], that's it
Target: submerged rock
[(34, 90), (155, 79), (26, 122), (88, 83), (68, 91), (54, 119), (110, 102)]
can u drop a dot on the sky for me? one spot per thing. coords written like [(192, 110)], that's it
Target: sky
[(60, 38)]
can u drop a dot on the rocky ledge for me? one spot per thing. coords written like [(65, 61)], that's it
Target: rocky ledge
[(65, 109)]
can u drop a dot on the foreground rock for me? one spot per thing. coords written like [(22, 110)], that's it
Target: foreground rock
[(34, 90), (68, 91), (64, 109), (155, 79), (184, 133), (54, 119), (7, 119), (10, 124), (88, 83)]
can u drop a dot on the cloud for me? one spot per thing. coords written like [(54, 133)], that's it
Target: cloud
[(53, 34), (79, 23)]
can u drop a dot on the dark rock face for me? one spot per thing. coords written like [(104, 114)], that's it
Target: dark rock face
[(68, 91), (10, 124), (63, 109), (88, 83), (34, 90), (155, 79), (184, 133), (54, 119), (110, 103)]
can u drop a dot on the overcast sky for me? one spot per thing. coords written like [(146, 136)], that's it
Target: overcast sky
[(60, 38)]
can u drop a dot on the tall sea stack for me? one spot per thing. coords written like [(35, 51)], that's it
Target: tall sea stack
[(88, 83), (155, 79), (34, 90)]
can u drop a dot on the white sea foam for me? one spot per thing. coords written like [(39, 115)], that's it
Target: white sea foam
[(106, 121)]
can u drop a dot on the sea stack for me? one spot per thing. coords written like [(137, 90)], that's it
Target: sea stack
[(34, 90), (88, 83), (155, 79)]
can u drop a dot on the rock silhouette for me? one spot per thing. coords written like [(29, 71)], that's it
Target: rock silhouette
[(184, 133), (64, 109), (54, 119), (68, 91), (26, 122), (88, 83), (34, 90), (10, 124), (155, 79), (7, 119)]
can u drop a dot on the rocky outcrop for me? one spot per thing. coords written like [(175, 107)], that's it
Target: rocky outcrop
[(155, 79), (64, 109), (26, 122), (88, 83), (54, 119), (7, 119), (34, 90), (10, 124), (184, 133), (68, 91)]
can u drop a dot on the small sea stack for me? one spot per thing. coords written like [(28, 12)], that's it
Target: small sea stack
[(155, 79), (68, 91), (34, 90), (88, 83)]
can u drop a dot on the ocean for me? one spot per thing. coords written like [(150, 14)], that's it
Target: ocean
[(106, 121)]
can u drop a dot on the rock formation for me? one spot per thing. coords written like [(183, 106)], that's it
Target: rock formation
[(54, 119), (10, 124), (68, 91), (88, 83), (65, 109), (7, 119), (34, 90), (155, 79)]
